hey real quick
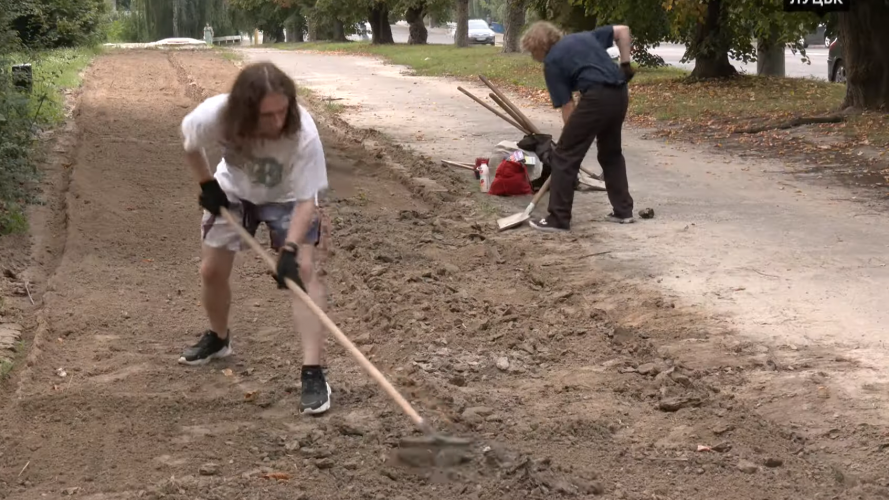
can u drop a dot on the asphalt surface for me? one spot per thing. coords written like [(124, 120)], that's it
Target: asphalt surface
[(672, 54)]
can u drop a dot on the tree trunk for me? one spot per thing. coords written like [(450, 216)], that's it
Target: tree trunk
[(770, 55), (313, 30), (295, 27), (339, 31), (379, 24), (515, 21), (279, 34), (418, 33), (461, 36), (176, 18), (866, 58), (710, 48)]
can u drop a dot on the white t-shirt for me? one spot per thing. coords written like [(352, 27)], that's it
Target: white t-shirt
[(281, 170)]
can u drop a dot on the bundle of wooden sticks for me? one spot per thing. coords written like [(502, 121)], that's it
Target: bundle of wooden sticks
[(516, 118)]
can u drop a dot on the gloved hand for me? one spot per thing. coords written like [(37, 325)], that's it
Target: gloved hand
[(627, 70), (212, 197), (288, 267)]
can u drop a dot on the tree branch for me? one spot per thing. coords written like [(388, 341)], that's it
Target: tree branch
[(796, 122)]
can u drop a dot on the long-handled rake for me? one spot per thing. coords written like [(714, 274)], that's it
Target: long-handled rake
[(432, 438)]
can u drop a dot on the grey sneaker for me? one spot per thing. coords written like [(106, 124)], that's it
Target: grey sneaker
[(620, 220)]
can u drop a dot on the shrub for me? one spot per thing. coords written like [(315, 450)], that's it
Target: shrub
[(58, 23)]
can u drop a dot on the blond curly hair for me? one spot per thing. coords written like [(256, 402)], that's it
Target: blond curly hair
[(540, 37)]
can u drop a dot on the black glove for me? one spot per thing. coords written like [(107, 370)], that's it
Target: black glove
[(627, 70), (212, 197), (288, 267)]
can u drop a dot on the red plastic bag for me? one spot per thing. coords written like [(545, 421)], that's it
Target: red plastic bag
[(510, 179)]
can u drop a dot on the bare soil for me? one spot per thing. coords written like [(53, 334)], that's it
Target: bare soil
[(574, 383)]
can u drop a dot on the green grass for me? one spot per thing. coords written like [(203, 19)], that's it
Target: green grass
[(53, 71), (229, 55), (447, 60), (5, 368)]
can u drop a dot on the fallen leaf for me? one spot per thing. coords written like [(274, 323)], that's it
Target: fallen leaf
[(280, 476), (228, 372)]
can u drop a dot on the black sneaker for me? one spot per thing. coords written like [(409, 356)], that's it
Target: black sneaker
[(210, 346), (620, 220), (315, 397), (547, 226)]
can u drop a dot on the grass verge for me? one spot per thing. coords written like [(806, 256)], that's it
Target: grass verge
[(53, 72)]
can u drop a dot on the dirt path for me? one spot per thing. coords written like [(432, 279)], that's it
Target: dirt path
[(497, 336)]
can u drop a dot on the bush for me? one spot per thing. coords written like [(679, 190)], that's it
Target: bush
[(122, 27), (58, 23)]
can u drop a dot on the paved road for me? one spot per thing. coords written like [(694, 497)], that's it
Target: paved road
[(672, 53)]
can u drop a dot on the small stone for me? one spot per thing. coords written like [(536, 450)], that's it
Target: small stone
[(648, 369), (210, 469), (773, 462), (477, 411), (351, 425), (722, 429), (722, 447), (458, 380), (503, 363), (747, 467), (324, 463), (646, 213), (677, 403), (681, 379)]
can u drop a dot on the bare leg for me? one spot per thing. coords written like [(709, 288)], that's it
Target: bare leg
[(308, 325), (216, 294)]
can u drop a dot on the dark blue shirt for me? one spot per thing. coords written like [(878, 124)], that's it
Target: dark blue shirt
[(579, 61)]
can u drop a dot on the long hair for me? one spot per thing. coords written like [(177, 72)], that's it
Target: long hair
[(541, 36), (254, 82)]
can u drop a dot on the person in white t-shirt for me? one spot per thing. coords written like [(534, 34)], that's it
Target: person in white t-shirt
[(271, 172)]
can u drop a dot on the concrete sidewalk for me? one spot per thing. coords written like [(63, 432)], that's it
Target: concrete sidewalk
[(785, 260)]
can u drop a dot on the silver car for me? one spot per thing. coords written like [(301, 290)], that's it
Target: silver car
[(480, 33)]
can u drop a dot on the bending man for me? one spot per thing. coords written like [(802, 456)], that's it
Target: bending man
[(580, 63)]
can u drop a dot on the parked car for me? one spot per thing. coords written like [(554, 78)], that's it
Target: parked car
[(836, 68), (497, 27), (816, 37), (480, 33)]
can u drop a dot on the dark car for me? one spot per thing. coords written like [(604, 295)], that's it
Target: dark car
[(836, 67)]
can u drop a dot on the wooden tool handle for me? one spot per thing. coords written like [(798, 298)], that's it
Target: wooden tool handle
[(523, 119), (326, 321), (542, 191), (505, 107), (492, 110)]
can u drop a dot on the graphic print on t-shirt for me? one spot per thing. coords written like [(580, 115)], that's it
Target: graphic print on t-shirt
[(265, 171)]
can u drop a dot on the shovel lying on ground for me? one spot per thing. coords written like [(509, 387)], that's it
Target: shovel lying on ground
[(432, 438), (518, 219)]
